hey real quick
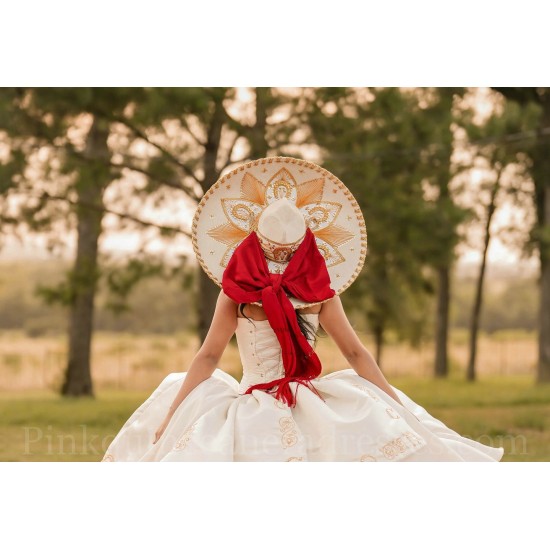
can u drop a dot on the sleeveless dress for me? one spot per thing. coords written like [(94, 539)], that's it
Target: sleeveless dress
[(355, 420)]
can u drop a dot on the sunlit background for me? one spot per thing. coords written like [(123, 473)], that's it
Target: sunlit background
[(100, 293)]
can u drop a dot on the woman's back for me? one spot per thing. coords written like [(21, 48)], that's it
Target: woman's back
[(256, 312), (260, 350)]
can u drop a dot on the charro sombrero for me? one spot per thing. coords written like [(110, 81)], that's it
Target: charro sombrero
[(231, 209)]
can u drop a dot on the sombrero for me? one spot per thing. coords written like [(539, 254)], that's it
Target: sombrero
[(229, 211)]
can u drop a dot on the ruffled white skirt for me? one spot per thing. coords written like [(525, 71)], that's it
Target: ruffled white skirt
[(355, 421)]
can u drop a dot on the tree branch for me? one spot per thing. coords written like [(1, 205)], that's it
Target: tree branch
[(118, 166), (242, 129), (162, 181), (191, 133), (99, 208), (165, 153), (228, 160)]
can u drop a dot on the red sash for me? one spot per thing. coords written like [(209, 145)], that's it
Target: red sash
[(247, 279)]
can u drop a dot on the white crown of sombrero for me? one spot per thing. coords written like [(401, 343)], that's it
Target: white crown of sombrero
[(235, 206)]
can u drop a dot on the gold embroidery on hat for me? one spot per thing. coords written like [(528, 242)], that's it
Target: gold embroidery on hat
[(335, 234), (310, 191), (243, 213), (253, 189), (276, 251), (227, 234), (281, 185)]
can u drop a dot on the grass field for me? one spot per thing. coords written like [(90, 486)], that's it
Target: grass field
[(504, 408), (502, 411)]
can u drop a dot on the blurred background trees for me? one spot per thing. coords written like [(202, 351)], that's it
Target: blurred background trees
[(535, 153), (428, 166)]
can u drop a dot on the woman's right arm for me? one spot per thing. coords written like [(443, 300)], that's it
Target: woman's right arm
[(222, 328), (335, 322)]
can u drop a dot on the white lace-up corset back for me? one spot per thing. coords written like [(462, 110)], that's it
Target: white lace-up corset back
[(260, 350)]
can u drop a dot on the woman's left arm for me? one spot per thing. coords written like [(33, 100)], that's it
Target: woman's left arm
[(335, 322)]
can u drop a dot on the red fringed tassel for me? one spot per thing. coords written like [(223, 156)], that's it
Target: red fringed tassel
[(282, 389)]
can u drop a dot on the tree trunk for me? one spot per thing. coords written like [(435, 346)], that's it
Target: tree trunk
[(258, 136), (378, 343), (84, 275), (442, 323), (474, 327), (445, 203), (541, 178), (543, 367), (207, 288)]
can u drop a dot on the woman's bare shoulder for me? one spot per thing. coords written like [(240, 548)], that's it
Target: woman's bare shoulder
[(312, 309), (332, 311), (332, 303), (336, 324)]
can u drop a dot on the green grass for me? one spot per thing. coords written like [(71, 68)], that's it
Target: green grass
[(511, 412), (42, 426)]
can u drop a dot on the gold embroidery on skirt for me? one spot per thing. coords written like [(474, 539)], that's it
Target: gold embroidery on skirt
[(400, 444), (289, 436), (367, 458), (414, 439), (295, 459), (392, 413), (280, 404), (368, 391), (184, 439)]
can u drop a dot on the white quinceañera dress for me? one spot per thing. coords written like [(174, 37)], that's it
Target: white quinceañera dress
[(356, 421)]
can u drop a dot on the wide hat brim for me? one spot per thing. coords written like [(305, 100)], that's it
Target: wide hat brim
[(229, 210)]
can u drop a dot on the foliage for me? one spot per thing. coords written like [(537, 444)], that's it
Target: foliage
[(158, 303), (392, 148)]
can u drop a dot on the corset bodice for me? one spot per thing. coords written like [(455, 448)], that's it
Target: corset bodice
[(260, 350)]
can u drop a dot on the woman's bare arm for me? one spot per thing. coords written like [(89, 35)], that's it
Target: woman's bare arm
[(334, 321), (207, 358)]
